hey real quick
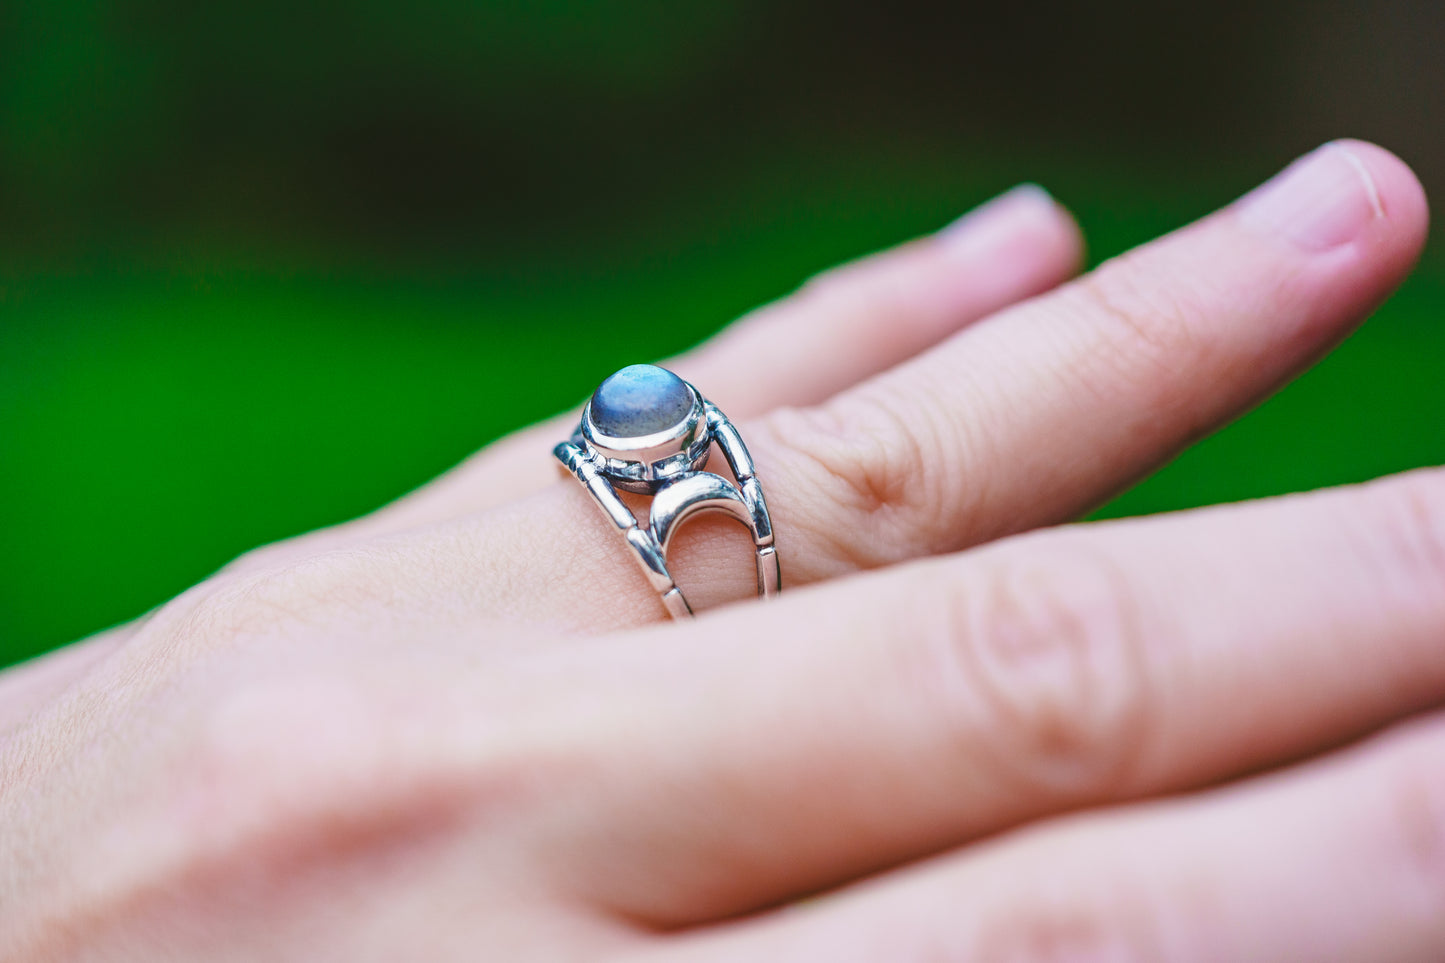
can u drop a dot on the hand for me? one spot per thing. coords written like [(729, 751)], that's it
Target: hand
[(443, 732)]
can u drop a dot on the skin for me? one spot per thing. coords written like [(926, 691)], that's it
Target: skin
[(460, 729)]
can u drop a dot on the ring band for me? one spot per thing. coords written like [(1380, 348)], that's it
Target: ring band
[(646, 430)]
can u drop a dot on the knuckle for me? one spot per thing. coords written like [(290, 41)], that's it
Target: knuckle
[(341, 584), (1146, 325), (1403, 523), (1066, 929), (277, 555), (274, 754), (1046, 671), (286, 768), (869, 475), (269, 783), (1414, 813)]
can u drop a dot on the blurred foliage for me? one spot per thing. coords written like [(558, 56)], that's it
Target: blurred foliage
[(267, 266)]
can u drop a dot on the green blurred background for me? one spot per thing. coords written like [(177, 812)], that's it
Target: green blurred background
[(264, 266)]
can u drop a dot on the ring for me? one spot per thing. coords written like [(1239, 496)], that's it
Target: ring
[(645, 430)]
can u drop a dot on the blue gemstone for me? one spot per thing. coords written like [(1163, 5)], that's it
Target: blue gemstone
[(641, 399)]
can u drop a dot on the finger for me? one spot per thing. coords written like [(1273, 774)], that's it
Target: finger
[(1055, 405), (1336, 862), (793, 746), (1049, 407), (843, 326)]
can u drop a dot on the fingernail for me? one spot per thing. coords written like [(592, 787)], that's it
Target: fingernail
[(986, 225), (1321, 201)]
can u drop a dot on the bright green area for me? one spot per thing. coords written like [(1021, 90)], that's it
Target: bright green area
[(156, 423)]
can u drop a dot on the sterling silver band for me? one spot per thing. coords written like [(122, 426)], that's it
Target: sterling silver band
[(667, 464)]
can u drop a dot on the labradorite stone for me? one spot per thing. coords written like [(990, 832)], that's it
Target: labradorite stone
[(641, 399)]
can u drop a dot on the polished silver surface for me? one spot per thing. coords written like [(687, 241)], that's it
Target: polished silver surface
[(668, 465), (641, 464)]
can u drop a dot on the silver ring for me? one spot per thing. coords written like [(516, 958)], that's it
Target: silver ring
[(646, 430)]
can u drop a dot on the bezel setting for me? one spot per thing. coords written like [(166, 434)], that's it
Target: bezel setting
[(643, 463)]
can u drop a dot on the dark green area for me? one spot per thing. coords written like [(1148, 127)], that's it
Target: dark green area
[(265, 267)]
